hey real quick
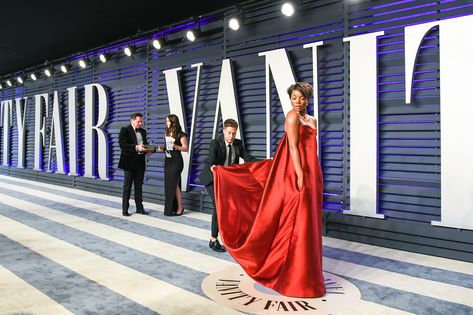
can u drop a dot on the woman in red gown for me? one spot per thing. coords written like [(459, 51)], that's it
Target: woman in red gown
[(270, 212)]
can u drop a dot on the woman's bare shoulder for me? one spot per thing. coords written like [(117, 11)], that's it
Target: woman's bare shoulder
[(292, 120), (292, 115)]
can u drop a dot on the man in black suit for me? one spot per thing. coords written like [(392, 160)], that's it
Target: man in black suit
[(224, 150), (132, 141)]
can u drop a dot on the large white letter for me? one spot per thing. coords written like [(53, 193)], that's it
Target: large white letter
[(315, 80), (456, 112), (363, 125), (71, 92), (277, 64), (6, 122), (39, 132), (90, 144), (20, 123), (56, 132), (194, 116), (226, 98), (315, 75)]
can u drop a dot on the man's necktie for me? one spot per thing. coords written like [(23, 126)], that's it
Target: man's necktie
[(228, 161)]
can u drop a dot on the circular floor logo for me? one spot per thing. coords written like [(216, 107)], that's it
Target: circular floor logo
[(233, 288)]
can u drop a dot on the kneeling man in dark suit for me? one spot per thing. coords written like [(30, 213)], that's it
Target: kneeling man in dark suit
[(224, 150)]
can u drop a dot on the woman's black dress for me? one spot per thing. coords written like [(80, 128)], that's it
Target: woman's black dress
[(172, 177)]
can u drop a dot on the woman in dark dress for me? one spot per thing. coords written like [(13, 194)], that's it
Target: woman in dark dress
[(176, 142)]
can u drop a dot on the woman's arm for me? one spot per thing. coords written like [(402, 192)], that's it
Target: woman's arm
[(292, 129), (184, 147)]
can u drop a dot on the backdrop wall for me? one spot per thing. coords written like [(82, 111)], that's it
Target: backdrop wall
[(401, 204)]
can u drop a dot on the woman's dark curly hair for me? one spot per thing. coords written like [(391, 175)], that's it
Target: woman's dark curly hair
[(303, 87)]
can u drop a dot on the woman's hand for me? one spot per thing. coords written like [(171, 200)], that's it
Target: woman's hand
[(300, 180)]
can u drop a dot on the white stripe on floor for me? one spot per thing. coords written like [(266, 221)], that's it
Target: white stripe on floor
[(155, 294), (17, 296), (365, 307)]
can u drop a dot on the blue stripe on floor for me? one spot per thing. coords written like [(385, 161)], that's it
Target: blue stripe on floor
[(66, 287)]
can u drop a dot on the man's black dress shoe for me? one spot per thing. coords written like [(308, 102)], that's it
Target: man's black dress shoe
[(216, 246), (125, 213), (142, 212)]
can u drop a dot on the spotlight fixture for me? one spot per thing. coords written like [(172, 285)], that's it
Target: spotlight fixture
[(19, 79), (157, 43), (1, 86), (104, 57), (129, 50), (48, 72), (83, 62), (65, 67), (287, 9), (33, 76), (9, 83), (191, 35), (234, 23)]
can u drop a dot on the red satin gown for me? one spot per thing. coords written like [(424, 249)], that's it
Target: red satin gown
[(271, 229)]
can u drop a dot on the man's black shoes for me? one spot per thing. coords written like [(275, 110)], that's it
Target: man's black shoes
[(216, 246), (125, 213)]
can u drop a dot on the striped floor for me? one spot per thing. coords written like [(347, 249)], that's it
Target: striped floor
[(66, 251)]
